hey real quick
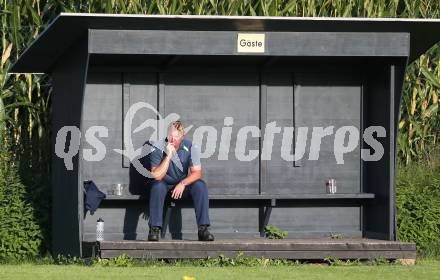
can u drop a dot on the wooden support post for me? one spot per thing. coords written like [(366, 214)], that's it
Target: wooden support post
[(264, 216), (166, 220), (260, 220)]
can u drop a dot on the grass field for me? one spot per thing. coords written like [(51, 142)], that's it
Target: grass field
[(426, 269)]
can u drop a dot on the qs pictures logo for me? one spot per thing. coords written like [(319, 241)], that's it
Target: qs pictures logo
[(308, 140)]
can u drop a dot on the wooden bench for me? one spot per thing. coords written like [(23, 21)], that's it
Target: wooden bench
[(264, 202)]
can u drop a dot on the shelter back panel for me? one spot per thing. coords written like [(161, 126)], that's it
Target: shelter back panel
[(108, 96), (291, 100), (205, 99), (316, 101), (102, 107)]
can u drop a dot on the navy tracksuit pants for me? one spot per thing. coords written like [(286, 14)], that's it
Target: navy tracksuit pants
[(197, 190)]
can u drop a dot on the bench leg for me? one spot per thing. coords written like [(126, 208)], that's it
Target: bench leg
[(264, 216), (166, 221)]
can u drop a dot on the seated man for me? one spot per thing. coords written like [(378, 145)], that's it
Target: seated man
[(170, 161)]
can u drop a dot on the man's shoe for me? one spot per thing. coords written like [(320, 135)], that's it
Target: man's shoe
[(204, 234), (154, 233)]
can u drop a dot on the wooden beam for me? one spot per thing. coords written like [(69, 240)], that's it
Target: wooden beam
[(260, 247), (172, 42)]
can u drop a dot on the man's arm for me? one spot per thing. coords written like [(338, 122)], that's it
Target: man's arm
[(195, 173), (160, 171)]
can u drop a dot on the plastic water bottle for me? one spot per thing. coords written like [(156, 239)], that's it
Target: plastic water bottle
[(100, 229)]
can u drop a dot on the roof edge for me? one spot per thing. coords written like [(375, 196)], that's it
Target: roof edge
[(378, 19)]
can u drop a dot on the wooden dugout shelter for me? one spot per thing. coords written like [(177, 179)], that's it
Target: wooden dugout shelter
[(300, 72)]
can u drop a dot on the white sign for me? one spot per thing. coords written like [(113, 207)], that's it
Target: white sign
[(250, 42)]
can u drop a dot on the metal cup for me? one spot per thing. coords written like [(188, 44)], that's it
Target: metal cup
[(119, 189), (330, 186)]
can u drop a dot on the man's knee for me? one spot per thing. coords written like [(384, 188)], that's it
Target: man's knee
[(158, 186), (199, 186)]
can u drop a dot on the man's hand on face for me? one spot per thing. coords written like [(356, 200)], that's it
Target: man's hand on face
[(170, 149), (178, 190)]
